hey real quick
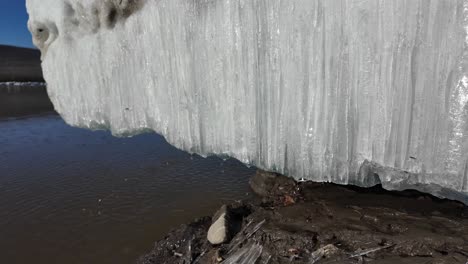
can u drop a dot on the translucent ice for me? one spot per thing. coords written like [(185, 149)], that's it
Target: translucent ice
[(347, 91)]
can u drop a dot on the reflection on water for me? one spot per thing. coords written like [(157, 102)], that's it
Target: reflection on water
[(23, 100), (69, 195)]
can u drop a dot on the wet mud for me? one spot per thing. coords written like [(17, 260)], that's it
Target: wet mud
[(291, 222)]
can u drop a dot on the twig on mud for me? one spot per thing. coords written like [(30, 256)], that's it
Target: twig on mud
[(188, 255), (360, 260), (238, 237), (239, 240), (267, 260), (199, 257), (246, 255), (360, 253), (291, 258)]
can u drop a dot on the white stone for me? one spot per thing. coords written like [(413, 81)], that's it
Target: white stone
[(218, 232)]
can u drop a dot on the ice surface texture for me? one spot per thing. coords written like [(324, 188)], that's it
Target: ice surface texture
[(347, 91)]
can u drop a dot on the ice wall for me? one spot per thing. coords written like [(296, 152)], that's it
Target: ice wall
[(347, 91)]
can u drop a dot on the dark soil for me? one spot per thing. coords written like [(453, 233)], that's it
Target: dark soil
[(327, 223)]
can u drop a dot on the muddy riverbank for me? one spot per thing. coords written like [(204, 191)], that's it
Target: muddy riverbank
[(292, 222)]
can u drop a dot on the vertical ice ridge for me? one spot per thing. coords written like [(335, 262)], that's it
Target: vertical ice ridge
[(312, 89)]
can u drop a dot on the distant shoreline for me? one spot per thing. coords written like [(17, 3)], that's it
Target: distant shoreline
[(20, 64), (19, 99), (17, 87)]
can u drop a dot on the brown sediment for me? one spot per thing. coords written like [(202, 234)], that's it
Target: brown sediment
[(326, 223)]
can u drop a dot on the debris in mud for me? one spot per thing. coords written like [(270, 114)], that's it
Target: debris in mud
[(315, 223), (326, 251)]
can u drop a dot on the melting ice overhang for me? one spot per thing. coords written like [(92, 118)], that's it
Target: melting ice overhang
[(360, 92)]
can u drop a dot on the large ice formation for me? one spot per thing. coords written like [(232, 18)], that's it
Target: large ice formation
[(347, 91)]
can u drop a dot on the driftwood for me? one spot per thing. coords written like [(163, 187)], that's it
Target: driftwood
[(245, 234), (246, 255)]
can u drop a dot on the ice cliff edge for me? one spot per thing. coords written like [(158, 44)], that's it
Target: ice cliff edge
[(361, 92)]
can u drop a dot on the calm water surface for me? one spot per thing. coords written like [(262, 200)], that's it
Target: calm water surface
[(69, 195)]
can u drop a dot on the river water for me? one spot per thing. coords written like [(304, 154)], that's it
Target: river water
[(68, 195)]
